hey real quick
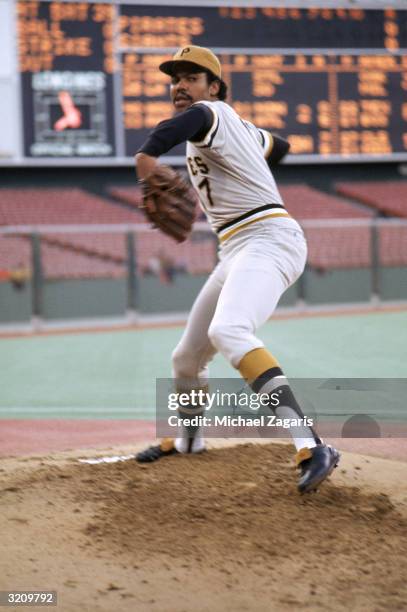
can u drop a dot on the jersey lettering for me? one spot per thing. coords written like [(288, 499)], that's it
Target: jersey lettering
[(196, 165)]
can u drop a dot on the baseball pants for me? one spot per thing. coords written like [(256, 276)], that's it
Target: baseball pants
[(255, 267)]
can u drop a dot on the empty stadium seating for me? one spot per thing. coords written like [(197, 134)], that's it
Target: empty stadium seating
[(58, 262), (387, 197), (338, 247), (197, 257), (70, 255), (90, 254), (392, 245), (14, 252), (330, 247), (305, 202), (59, 206), (128, 195), (107, 246)]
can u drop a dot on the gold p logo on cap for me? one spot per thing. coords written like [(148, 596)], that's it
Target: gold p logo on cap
[(200, 56)]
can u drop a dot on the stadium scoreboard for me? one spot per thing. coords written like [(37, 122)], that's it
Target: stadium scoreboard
[(331, 81)]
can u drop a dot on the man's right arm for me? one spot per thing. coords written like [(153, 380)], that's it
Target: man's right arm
[(192, 124)]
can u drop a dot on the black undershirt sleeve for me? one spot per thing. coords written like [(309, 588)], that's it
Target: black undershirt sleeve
[(279, 150), (193, 124)]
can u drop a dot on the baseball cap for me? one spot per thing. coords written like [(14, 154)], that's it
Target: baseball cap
[(200, 56)]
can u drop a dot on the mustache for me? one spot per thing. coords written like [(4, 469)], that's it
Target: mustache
[(181, 96)]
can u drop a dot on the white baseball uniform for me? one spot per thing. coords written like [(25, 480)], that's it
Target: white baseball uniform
[(262, 249)]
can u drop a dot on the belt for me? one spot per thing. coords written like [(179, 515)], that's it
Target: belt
[(247, 219)]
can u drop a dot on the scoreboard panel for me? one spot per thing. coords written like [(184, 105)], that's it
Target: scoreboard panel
[(66, 63), (265, 28), (332, 81)]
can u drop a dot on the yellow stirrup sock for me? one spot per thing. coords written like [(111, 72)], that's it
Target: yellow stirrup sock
[(255, 363)]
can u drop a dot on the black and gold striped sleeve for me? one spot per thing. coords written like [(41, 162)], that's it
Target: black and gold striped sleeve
[(274, 147)]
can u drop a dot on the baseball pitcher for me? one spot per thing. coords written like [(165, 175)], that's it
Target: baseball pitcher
[(262, 249)]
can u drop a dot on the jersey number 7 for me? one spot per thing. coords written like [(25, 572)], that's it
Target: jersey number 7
[(204, 184), (197, 166)]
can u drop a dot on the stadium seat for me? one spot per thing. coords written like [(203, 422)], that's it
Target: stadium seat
[(392, 242), (387, 197), (330, 247), (127, 195), (305, 202), (14, 252)]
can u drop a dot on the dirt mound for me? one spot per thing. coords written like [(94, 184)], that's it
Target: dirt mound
[(222, 530)]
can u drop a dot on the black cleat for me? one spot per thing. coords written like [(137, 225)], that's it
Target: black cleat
[(153, 453), (315, 464)]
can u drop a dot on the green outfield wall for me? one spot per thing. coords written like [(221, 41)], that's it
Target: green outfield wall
[(86, 298)]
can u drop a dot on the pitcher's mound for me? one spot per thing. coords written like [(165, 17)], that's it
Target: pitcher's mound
[(225, 530)]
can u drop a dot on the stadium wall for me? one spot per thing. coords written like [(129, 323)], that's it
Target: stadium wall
[(98, 298)]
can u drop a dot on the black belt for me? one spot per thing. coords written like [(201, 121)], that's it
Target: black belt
[(248, 214)]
